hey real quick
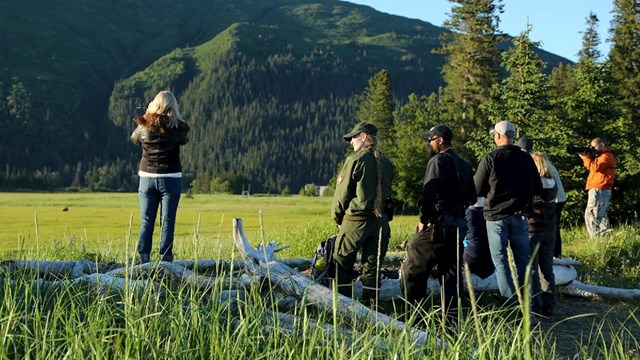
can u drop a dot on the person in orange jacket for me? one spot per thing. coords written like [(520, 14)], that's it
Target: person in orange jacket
[(602, 172)]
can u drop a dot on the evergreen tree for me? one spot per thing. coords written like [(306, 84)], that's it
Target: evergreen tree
[(472, 53), (411, 152), (625, 71), (624, 55), (591, 108), (523, 96), (562, 85), (376, 106)]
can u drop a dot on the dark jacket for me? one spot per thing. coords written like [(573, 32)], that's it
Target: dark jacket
[(543, 216), (356, 185), (160, 149), (448, 187), (508, 179)]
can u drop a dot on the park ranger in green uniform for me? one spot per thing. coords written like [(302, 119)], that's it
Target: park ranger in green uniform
[(362, 188)]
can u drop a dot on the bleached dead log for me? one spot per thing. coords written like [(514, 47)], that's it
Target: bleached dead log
[(104, 283), (390, 288), (177, 273), (72, 269), (577, 288), (296, 325), (566, 262), (107, 282), (211, 265), (261, 261)]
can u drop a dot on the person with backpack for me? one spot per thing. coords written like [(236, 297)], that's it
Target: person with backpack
[(447, 191), (363, 185)]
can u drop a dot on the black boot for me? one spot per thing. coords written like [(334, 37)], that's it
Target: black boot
[(370, 297), (143, 258)]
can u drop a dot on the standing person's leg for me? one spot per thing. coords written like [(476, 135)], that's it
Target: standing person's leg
[(547, 279), (348, 242), (149, 201), (374, 249), (590, 214), (534, 244), (602, 198), (414, 272), (449, 276), (557, 249), (497, 234), (170, 188), (519, 243)]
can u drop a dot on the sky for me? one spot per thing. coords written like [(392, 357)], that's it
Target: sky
[(557, 24)]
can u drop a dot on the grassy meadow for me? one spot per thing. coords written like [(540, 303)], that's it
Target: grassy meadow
[(183, 321), (105, 223)]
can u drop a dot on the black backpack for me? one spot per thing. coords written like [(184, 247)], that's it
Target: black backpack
[(323, 265)]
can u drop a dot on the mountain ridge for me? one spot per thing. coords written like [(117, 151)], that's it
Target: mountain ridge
[(308, 54)]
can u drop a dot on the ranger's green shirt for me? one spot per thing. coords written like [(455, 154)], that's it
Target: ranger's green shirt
[(356, 185)]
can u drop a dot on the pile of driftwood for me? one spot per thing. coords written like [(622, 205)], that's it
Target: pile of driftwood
[(259, 266)]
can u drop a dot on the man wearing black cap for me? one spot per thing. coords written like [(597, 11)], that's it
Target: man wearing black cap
[(361, 188), (448, 189)]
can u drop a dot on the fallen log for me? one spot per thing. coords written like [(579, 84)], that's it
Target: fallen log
[(73, 269), (177, 273), (261, 261), (390, 288), (577, 288)]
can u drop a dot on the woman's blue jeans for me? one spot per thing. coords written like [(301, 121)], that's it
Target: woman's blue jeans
[(154, 192), (513, 232)]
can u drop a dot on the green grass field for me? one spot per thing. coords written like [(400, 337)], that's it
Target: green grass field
[(99, 223), (79, 321), (30, 223)]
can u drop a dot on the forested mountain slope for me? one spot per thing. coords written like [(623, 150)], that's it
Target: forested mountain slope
[(268, 86)]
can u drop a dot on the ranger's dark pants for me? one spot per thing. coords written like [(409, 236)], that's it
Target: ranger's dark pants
[(431, 247), (370, 235)]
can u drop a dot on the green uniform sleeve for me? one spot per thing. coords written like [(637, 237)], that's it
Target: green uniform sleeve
[(345, 188)]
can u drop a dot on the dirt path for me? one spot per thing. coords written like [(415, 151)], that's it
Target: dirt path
[(577, 323)]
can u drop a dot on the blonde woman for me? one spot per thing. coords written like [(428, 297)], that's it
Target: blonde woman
[(160, 132), (542, 230)]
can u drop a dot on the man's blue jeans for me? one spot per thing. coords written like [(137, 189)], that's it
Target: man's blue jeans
[(153, 192), (512, 231)]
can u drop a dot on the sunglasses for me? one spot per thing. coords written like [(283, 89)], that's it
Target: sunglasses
[(433, 138)]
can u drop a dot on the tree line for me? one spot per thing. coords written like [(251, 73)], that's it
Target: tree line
[(274, 122), (596, 97)]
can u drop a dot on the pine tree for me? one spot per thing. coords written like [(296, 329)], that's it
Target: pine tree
[(624, 57), (523, 96), (411, 152), (376, 106), (562, 85), (472, 53), (591, 108), (625, 71)]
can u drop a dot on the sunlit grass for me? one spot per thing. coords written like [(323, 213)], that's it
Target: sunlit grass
[(100, 222), (184, 322)]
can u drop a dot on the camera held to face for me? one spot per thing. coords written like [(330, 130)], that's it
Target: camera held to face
[(589, 150)]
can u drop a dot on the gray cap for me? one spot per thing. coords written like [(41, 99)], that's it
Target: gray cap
[(504, 128)]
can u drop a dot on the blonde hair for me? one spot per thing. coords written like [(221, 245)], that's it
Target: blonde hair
[(541, 160), (165, 104), (372, 143)]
